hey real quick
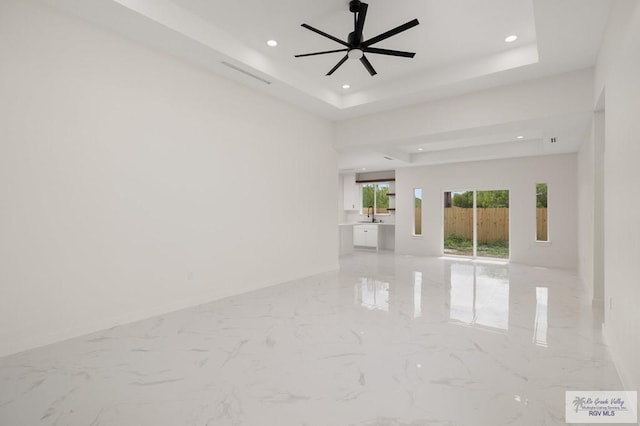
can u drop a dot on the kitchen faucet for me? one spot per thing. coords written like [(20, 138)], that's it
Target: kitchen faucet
[(371, 211)]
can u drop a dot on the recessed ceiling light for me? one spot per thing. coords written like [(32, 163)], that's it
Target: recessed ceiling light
[(272, 43), (511, 38), (420, 149), (520, 137), (346, 86)]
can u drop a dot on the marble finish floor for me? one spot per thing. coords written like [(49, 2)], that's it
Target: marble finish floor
[(388, 340)]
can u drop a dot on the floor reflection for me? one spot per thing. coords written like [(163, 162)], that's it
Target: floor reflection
[(479, 295), (372, 294), (540, 324), (417, 294)]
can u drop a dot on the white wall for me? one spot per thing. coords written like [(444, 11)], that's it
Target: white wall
[(524, 103), (590, 207), (132, 184), (586, 231), (519, 176), (617, 74)]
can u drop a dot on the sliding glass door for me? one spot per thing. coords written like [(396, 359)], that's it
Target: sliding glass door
[(458, 223), (492, 224), (476, 223)]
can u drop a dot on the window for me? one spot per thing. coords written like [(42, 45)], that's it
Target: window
[(375, 198), (417, 211), (542, 224)]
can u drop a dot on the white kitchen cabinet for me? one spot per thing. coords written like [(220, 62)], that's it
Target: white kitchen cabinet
[(350, 187), (365, 235)]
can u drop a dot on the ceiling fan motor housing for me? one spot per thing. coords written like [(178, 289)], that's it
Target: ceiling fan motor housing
[(354, 6), (354, 39)]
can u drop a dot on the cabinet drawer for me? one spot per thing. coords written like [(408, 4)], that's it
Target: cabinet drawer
[(365, 235)]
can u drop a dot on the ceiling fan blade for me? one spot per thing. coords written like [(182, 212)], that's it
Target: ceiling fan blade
[(362, 15), (329, 36), (368, 65), (320, 53), (390, 33), (389, 52), (342, 61)]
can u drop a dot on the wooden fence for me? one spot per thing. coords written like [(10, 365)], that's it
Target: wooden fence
[(493, 223), (541, 220)]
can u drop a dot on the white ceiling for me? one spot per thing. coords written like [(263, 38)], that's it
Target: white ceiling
[(442, 38), (459, 47)]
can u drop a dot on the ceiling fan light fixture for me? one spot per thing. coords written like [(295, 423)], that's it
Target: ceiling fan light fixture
[(355, 54), (356, 46)]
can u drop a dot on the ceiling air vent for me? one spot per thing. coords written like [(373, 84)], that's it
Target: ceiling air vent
[(247, 73)]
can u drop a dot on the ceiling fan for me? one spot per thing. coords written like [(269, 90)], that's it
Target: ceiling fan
[(355, 46)]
